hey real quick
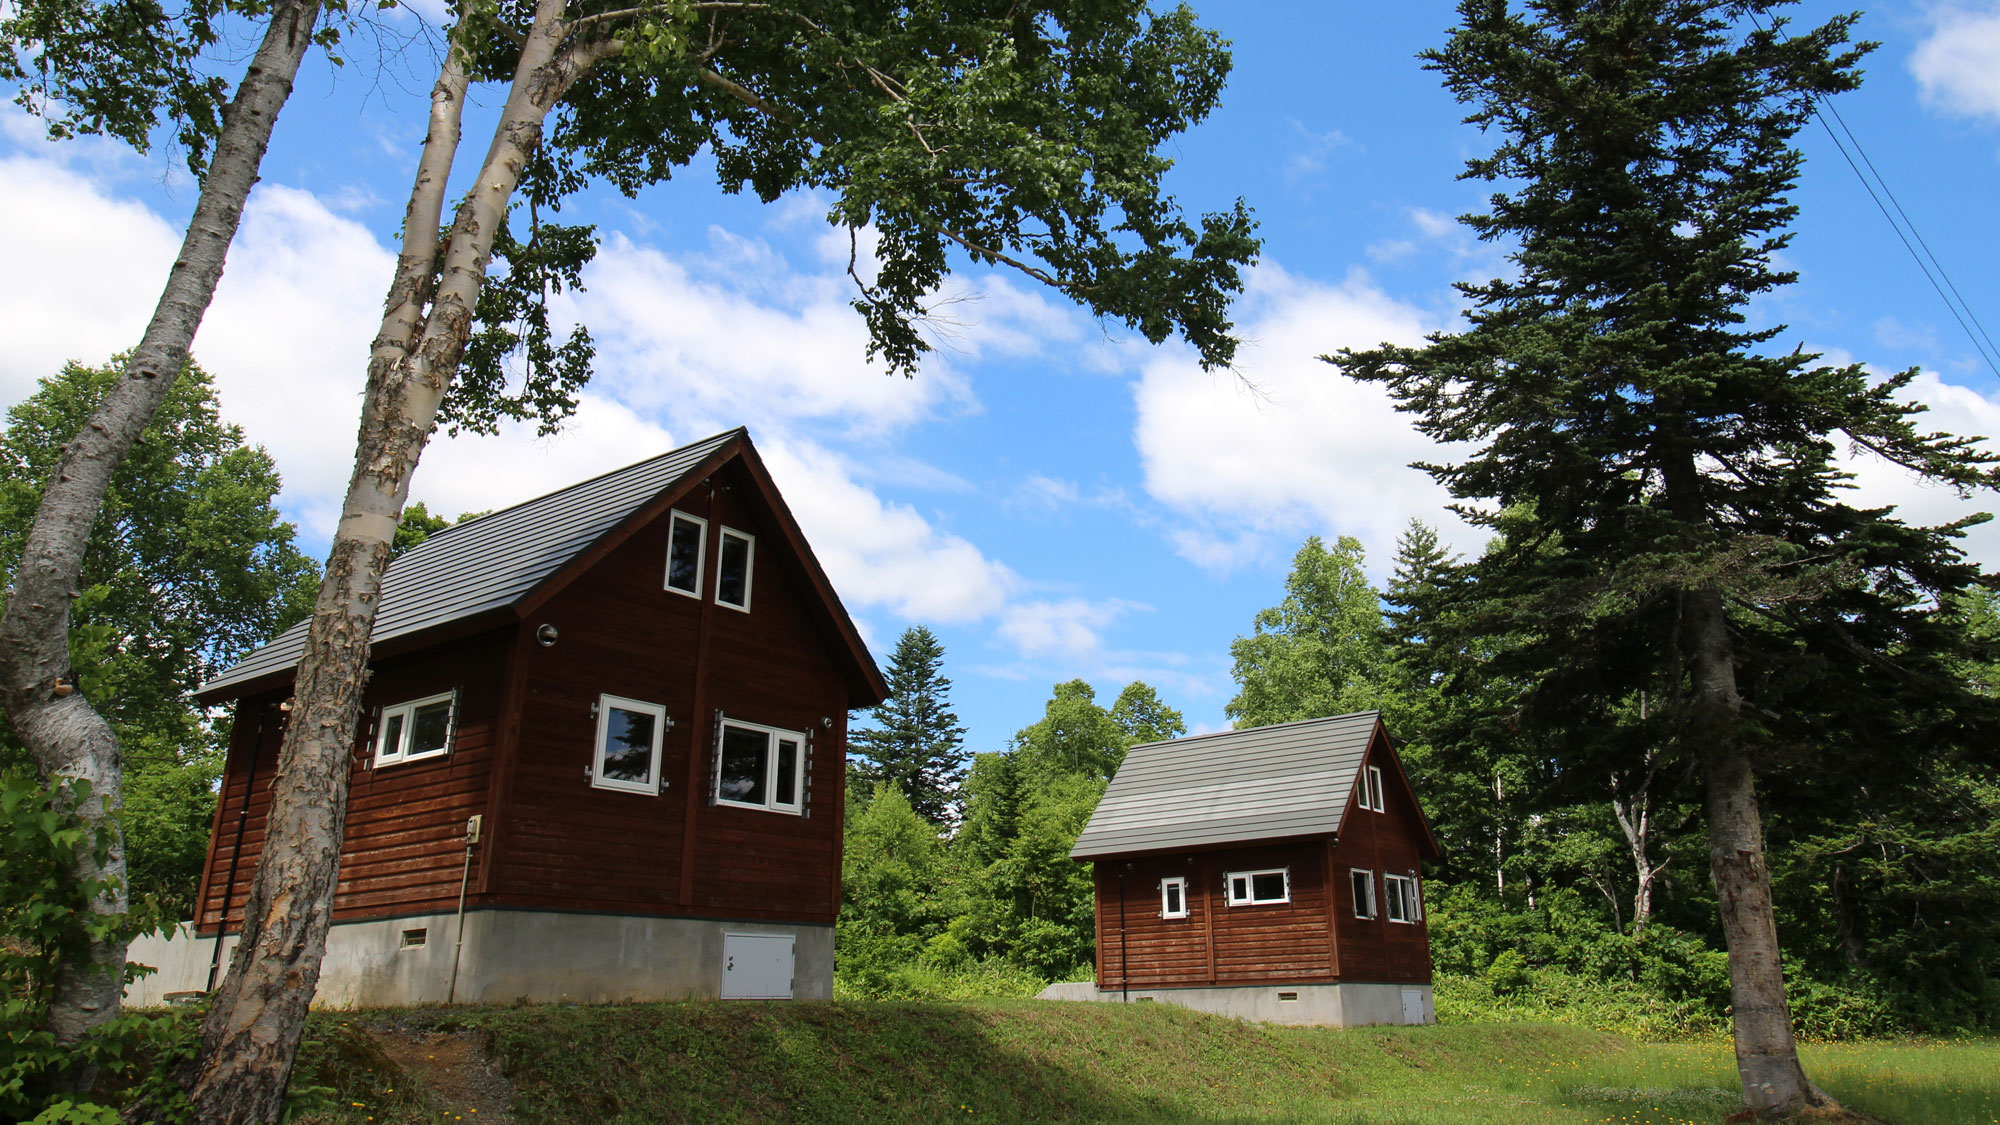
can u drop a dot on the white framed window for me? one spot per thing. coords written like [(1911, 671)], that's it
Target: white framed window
[(687, 542), (761, 767), (1364, 892), (1373, 798), (418, 729), (732, 569), (1258, 888), (628, 745), (1173, 897), (1399, 895)]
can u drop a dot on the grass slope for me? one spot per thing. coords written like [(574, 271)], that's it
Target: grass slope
[(1012, 1061)]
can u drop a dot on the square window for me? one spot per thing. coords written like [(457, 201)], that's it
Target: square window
[(1399, 893), (1364, 892), (628, 745), (1374, 797), (1260, 888), (732, 570), (1173, 897), (420, 728), (760, 767), (686, 536)]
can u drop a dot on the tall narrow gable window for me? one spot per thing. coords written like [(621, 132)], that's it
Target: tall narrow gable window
[(686, 539), (733, 568), (628, 745), (1173, 897), (420, 728), (1364, 892), (761, 767), (1372, 799)]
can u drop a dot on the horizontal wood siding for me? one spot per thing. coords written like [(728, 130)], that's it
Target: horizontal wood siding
[(1216, 944), (564, 844), (404, 848), (1313, 938)]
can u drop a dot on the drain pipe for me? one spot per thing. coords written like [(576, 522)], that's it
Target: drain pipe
[(1124, 946), (235, 850), (472, 825)]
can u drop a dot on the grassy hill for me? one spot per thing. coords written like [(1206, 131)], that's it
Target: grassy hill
[(811, 1063)]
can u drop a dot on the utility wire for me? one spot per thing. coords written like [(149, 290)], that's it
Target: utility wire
[(1933, 270)]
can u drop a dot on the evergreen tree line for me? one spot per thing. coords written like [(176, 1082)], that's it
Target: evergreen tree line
[(957, 881)]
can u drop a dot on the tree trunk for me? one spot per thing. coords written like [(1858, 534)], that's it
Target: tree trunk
[(1634, 813), (66, 735), (251, 1036), (1767, 1055)]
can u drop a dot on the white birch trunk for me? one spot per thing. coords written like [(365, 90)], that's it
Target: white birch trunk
[(64, 733)]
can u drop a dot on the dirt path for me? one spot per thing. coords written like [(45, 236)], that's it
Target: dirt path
[(454, 1070)]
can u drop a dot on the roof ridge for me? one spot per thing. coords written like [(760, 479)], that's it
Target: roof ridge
[(1376, 711), (484, 516)]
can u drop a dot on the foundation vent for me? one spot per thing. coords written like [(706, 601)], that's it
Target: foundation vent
[(414, 938)]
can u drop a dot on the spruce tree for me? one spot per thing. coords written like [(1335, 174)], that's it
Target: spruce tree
[(1661, 477), (915, 742)]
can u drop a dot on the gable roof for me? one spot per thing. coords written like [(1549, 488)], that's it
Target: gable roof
[(1239, 786), (488, 570)]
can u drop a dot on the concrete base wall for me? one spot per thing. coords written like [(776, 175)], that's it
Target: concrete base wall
[(1347, 1004), (509, 955)]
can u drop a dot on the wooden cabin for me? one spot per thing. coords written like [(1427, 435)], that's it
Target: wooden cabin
[(1273, 874), (600, 756)]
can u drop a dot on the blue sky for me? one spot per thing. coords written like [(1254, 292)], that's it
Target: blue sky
[(1055, 498)]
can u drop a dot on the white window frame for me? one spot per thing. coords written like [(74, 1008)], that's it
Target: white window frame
[(1369, 908), (700, 552), (1249, 896), (771, 737), (1176, 883), (749, 565), (1412, 905), (408, 710), (651, 786), (1372, 799)]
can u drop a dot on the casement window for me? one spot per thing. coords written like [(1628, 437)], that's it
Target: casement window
[(1399, 894), (1364, 892), (1372, 799), (761, 767), (732, 569), (687, 540), (1259, 888), (628, 745), (421, 728), (1173, 897)]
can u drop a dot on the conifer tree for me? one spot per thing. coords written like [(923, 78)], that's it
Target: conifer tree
[(1660, 476), (915, 744)]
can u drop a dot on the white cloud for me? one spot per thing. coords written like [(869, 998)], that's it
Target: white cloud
[(1954, 409), (1307, 450), (1958, 63), (1070, 629)]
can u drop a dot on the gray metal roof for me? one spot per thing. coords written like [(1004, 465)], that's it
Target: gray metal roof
[(1231, 787), (493, 561)]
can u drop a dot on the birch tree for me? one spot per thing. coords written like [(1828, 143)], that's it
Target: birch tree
[(1663, 477), (1017, 136), (123, 70)]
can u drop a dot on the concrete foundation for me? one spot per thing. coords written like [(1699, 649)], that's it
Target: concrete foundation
[(509, 955), (1347, 1004)]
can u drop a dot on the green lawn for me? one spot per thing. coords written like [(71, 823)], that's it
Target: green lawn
[(1015, 1061)]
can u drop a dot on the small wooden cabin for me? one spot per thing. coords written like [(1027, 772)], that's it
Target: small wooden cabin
[(1272, 874), (600, 757)]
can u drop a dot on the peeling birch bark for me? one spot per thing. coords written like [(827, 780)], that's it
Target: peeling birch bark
[(64, 733)]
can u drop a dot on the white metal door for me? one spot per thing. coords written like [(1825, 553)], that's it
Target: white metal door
[(756, 966), (1413, 1006)]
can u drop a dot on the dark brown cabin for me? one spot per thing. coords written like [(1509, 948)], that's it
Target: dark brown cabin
[(1272, 873), (611, 722)]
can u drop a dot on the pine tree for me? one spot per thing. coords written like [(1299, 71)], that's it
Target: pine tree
[(915, 742), (1662, 483)]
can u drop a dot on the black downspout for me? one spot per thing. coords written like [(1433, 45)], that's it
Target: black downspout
[(236, 849)]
